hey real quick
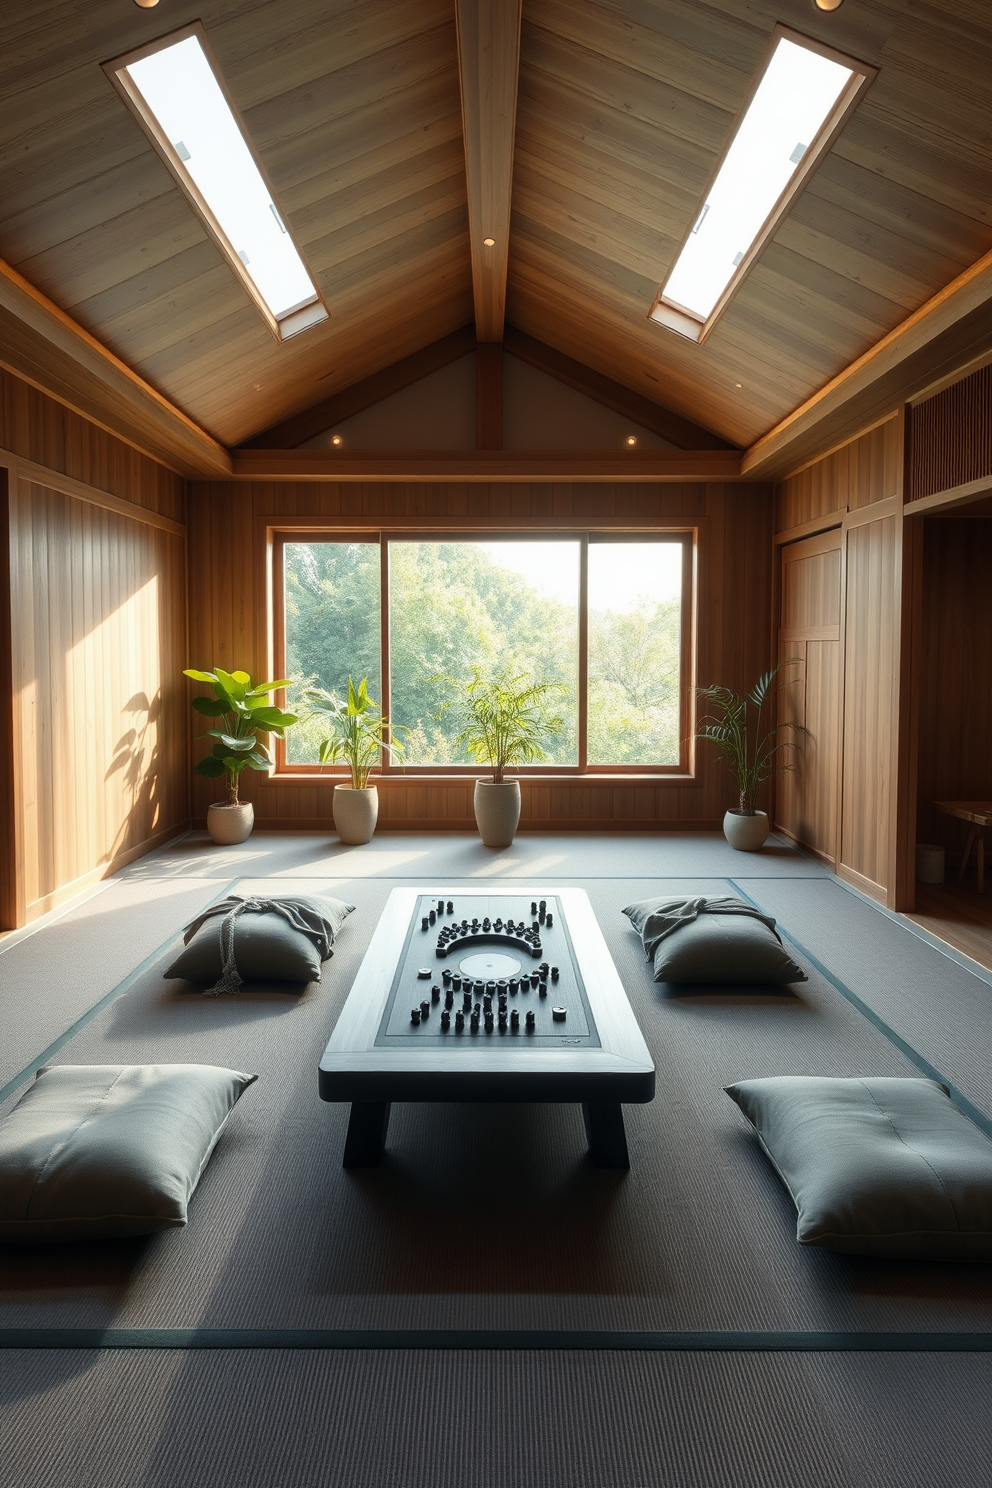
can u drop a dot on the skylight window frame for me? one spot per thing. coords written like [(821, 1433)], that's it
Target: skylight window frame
[(688, 323), (313, 310)]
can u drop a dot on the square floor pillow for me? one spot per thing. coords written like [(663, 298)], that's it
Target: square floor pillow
[(97, 1151), (286, 944), (880, 1167), (726, 942)]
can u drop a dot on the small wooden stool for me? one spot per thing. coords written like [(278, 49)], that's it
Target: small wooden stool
[(978, 815)]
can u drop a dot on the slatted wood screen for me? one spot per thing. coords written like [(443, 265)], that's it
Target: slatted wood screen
[(950, 440)]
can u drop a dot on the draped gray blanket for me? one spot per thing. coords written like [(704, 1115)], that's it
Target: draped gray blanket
[(656, 919), (301, 912)]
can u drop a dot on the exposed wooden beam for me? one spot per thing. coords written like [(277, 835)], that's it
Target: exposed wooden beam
[(42, 345), (648, 466), (951, 329), (672, 426), (489, 396), (361, 395), (489, 67)]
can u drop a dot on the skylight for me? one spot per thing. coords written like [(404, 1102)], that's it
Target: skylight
[(800, 102), (176, 94)]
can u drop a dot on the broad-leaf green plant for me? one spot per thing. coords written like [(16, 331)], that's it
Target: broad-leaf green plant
[(505, 718), (359, 732), (753, 749), (243, 713)]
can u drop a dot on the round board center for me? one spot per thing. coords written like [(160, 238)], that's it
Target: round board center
[(490, 965)]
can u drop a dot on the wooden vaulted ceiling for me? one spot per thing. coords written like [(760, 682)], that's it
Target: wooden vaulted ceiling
[(622, 109)]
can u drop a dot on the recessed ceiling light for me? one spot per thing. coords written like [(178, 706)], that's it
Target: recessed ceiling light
[(738, 384), (489, 242), (631, 439), (146, 4), (336, 439), (828, 4)]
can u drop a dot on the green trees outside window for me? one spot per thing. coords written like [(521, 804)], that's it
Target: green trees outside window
[(465, 606)]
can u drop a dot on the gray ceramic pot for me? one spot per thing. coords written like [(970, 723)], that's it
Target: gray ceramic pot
[(230, 824), (746, 833)]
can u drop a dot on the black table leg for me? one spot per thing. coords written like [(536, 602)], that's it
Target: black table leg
[(605, 1131), (366, 1139)]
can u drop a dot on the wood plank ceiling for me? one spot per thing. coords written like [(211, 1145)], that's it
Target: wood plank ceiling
[(623, 109)]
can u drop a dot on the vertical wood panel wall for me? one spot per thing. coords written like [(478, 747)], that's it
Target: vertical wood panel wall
[(97, 731), (228, 622), (951, 436), (840, 602), (955, 690)]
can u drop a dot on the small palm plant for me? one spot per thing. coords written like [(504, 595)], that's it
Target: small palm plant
[(358, 730), (505, 718), (246, 713), (753, 751)]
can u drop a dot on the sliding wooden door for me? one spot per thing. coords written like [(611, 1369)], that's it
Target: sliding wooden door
[(810, 650)]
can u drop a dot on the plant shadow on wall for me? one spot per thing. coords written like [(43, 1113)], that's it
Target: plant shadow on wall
[(136, 761), (754, 749)]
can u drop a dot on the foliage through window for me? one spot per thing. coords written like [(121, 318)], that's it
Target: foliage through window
[(604, 617)]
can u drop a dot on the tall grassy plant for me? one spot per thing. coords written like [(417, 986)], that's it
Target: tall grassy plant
[(505, 718), (754, 751), (243, 712), (358, 730)]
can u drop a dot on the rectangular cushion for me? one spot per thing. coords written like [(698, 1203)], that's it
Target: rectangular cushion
[(267, 948), (883, 1167), (714, 949), (110, 1150)]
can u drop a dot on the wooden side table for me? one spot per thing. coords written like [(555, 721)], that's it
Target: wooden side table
[(978, 815)]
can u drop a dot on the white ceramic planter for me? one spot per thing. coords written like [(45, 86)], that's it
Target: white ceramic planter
[(230, 824), (355, 813), (746, 833), (497, 811)]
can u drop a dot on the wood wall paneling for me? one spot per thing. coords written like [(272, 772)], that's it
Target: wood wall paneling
[(871, 706), (858, 474), (228, 623)]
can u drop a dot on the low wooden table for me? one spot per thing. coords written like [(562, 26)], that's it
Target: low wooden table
[(978, 814), (536, 955)]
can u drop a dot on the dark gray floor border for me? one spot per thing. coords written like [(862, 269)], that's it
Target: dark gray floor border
[(117, 991), (670, 1341), (913, 1055)]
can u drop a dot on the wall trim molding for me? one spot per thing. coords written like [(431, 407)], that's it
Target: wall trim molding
[(67, 485)]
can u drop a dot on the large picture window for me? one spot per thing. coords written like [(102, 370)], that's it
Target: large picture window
[(605, 617)]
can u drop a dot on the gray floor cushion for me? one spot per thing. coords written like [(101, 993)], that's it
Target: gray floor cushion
[(883, 1167), (268, 945), (92, 1151), (717, 943)]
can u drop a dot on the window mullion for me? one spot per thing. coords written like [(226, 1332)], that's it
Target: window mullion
[(386, 703), (583, 679)]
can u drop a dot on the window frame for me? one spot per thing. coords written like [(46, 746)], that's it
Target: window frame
[(299, 317), (688, 323), (686, 534)]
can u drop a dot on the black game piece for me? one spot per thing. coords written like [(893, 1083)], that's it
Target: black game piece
[(530, 1022), (515, 1020), (456, 982), (475, 1020), (487, 1004), (549, 919), (446, 1020), (446, 975), (502, 1020), (449, 998), (467, 1001), (435, 993), (555, 973), (535, 977), (459, 1022), (432, 916), (543, 989), (424, 923), (559, 1014), (451, 907), (533, 906), (415, 1016), (489, 1022), (425, 1008), (514, 985), (440, 906)]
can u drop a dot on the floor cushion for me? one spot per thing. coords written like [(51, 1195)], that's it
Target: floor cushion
[(92, 1151), (268, 945), (882, 1167), (728, 944)]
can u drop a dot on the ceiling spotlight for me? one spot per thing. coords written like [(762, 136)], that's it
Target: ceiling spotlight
[(336, 439), (146, 4), (631, 439), (489, 242), (738, 384), (828, 4)]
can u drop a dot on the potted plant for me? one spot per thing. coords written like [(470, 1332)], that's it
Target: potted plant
[(359, 735), (243, 712), (505, 717), (753, 752)]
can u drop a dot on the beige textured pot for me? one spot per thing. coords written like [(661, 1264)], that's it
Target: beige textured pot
[(230, 824), (746, 833), (497, 811), (355, 813)]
